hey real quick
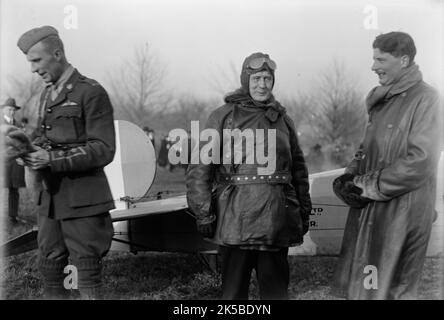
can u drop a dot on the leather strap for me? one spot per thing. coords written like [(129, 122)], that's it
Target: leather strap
[(239, 179)]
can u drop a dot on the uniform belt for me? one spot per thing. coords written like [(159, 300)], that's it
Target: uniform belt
[(55, 146), (275, 178)]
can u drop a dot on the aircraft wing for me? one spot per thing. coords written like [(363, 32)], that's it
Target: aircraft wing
[(143, 209)]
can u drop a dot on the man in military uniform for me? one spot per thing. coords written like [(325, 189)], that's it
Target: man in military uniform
[(75, 141), (14, 174)]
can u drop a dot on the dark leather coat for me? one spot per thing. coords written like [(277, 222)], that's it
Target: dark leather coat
[(398, 171), (271, 214)]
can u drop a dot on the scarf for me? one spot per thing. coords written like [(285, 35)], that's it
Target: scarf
[(272, 107), (408, 79)]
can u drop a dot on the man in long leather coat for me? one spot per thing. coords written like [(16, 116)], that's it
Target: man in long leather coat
[(385, 243), (75, 140), (253, 217)]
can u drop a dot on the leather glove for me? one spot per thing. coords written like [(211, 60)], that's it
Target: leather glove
[(17, 143), (347, 191), (207, 230)]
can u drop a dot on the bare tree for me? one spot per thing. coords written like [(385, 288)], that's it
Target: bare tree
[(137, 87), (184, 110), (225, 80), (299, 109), (339, 118)]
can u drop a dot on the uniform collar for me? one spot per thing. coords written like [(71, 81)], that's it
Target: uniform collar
[(67, 87), (63, 78)]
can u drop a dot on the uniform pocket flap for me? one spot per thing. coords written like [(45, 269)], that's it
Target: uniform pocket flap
[(68, 112)]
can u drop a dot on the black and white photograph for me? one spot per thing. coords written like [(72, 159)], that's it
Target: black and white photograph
[(221, 155)]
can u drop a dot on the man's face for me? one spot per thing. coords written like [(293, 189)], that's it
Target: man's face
[(261, 84), (388, 67), (9, 111), (48, 65)]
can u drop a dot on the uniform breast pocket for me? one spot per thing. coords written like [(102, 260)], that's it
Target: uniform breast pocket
[(67, 125)]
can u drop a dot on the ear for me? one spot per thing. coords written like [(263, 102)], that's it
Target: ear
[(58, 54), (405, 61)]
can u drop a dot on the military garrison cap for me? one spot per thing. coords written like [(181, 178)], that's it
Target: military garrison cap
[(31, 37)]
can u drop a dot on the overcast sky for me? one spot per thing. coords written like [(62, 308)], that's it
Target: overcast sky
[(196, 39)]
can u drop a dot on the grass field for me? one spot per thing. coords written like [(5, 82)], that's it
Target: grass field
[(166, 276)]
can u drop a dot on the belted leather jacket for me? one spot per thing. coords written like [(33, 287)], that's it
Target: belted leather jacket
[(252, 209)]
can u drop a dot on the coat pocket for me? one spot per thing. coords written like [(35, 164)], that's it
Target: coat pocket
[(89, 190), (67, 125), (392, 142), (68, 112), (263, 218), (294, 227)]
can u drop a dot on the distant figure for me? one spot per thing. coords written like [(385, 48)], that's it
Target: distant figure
[(150, 133), (315, 159), (14, 176), (162, 160)]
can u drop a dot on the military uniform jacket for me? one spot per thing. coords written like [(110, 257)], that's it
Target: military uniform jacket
[(77, 129)]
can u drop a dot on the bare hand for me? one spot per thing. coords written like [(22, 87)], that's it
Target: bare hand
[(38, 159)]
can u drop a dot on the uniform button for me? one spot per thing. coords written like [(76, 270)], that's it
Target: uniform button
[(48, 127), (49, 110), (42, 126), (403, 94)]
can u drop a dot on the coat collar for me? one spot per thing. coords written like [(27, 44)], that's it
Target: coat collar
[(67, 88), (272, 107), (408, 79)]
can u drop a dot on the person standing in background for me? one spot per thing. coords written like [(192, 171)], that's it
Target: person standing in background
[(14, 174)]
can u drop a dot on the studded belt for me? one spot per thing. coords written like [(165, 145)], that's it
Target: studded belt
[(275, 178)]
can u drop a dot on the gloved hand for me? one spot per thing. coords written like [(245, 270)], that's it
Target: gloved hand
[(207, 229), (348, 192), (17, 143)]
